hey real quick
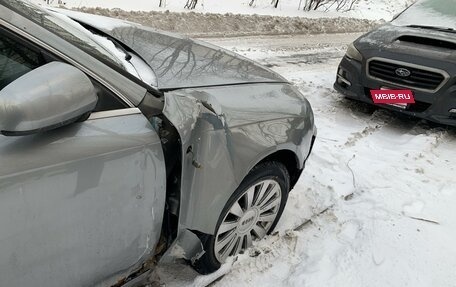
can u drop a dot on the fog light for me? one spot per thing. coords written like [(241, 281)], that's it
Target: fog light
[(453, 111), (343, 82)]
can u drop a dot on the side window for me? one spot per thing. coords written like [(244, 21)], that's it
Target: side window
[(106, 99), (16, 60), (18, 57)]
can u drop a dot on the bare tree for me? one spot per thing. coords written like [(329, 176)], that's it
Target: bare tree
[(339, 5), (275, 3), (315, 4), (191, 4), (345, 5), (162, 3)]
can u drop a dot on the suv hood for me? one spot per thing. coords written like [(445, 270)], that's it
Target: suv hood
[(405, 40), (180, 62)]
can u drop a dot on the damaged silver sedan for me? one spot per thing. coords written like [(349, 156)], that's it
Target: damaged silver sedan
[(121, 146)]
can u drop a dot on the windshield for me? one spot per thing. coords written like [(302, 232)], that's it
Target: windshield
[(431, 13), (70, 31)]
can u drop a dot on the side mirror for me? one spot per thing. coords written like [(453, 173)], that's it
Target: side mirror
[(48, 97)]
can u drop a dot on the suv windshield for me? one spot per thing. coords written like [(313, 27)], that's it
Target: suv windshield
[(69, 30), (429, 13)]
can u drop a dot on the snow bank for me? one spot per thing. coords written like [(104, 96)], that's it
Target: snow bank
[(237, 18), (198, 24), (366, 9)]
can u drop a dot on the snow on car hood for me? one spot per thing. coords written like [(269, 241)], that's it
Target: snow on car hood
[(180, 62)]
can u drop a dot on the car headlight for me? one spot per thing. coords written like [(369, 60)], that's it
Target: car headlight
[(353, 53)]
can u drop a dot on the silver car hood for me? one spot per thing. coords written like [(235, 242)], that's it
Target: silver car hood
[(180, 62)]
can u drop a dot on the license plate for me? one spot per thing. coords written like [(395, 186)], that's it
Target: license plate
[(401, 106)]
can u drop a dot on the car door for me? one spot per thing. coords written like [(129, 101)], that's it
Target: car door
[(80, 205)]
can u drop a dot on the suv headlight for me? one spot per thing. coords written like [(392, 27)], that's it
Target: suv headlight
[(353, 53)]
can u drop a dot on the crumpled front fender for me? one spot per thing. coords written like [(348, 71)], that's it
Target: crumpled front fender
[(225, 132)]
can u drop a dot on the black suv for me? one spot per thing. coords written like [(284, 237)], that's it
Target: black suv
[(415, 51)]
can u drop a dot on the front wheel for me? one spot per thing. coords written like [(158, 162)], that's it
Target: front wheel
[(250, 214)]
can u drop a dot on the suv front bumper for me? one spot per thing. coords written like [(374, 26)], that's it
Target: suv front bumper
[(439, 107)]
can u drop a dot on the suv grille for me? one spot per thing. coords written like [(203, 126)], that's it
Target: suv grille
[(418, 78)]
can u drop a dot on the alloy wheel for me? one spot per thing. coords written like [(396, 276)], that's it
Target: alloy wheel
[(249, 218)]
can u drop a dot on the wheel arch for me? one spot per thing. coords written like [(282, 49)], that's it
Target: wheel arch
[(289, 159)]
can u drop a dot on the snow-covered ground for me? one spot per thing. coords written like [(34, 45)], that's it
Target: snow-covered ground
[(379, 189), (365, 9)]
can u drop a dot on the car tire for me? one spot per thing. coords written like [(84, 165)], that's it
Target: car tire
[(251, 213)]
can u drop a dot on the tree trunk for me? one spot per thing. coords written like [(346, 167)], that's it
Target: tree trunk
[(187, 5), (191, 4), (276, 3)]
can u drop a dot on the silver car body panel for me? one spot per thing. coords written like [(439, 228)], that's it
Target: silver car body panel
[(80, 200), (180, 62), (230, 138), (81, 205)]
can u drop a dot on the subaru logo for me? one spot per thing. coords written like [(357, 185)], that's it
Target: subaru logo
[(403, 72)]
